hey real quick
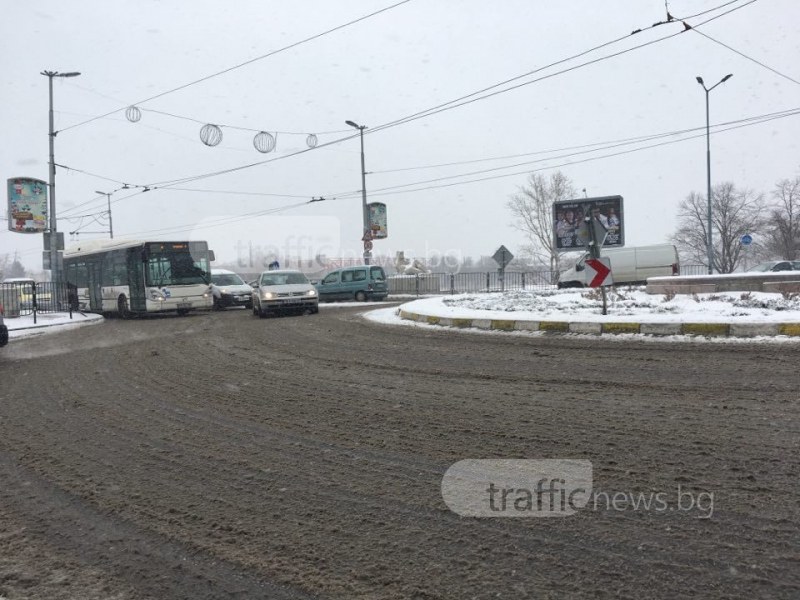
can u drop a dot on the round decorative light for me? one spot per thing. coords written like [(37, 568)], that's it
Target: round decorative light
[(264, 142), (210, 135), (311, 140), (133, 114)]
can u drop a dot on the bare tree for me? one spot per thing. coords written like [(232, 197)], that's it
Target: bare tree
[(782, 231), (532, 207), (734, 213)]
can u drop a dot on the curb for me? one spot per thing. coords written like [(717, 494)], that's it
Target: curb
[(595, 328)]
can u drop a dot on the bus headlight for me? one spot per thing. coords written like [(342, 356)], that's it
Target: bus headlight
[(155, 294)]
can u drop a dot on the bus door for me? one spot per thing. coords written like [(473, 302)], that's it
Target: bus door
[(136, 279), (94, 269)]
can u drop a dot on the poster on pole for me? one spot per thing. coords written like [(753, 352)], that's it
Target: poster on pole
[(569, 222), (27, 205), (377, 220)]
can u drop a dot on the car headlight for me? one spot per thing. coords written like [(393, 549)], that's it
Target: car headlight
[(311, 293), (268, 295)]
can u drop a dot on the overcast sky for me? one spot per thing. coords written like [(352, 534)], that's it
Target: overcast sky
[(390, 66)]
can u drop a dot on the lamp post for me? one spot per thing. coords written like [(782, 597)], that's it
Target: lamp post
[(364, 214), (55, 272), (110, 223), (709, 242)]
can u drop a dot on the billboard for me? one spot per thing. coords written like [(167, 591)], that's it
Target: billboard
[(27, 205), (377, 220), (570, 231)]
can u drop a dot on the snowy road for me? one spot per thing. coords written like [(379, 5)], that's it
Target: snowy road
[(222, 456)]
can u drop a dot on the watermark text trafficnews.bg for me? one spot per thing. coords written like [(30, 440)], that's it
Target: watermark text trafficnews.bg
[(552, 488)]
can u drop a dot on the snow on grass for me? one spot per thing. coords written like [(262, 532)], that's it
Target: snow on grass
[(632, 304)]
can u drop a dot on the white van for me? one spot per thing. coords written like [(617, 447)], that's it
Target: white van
[(629, 265)]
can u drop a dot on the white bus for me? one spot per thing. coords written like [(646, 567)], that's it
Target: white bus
[(138, 277)]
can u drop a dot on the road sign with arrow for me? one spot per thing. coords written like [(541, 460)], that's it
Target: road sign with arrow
[(598, 272)]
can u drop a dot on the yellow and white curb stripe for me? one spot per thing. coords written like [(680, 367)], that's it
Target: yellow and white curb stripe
[(593, 328)]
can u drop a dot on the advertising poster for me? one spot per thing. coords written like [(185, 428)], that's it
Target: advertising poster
[(377, 220), (569, 227), (27, 205)]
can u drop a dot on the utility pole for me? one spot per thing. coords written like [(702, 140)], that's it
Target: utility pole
[(709, 242), (367, 237), (55, 271), (110, 222)]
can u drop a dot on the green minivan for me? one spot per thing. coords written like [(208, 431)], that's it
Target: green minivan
[(362, 283)]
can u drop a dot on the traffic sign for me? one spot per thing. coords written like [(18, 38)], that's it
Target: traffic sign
[(503, 256), (598, 272), (747, 239), (585, 234)]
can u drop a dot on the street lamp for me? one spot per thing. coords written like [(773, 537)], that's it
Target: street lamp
[(55, 272), (710, 245), (364, 213), (110, 224)]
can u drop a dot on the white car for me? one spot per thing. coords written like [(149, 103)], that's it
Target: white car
[(283, 291), (229, 290)]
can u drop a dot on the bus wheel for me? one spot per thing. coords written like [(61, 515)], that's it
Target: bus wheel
[(122, 308)]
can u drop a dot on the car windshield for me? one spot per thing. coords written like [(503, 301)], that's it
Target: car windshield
[(272, 278), (227, 279)]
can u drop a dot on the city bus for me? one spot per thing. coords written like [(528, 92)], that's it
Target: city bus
[(126, 277)]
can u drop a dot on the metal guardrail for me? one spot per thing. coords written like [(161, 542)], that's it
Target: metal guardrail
[(24, 298)]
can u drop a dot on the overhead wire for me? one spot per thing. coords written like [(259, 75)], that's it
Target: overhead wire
[(750, 58), (467, 99), (579, 150), (470, 98), (442, 107), (393, 190), (243, 64)]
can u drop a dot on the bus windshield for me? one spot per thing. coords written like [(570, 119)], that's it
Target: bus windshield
[(176, 268)]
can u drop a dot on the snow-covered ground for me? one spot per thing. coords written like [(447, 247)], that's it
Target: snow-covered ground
[(47, 322), (585, 306), (623, 306)]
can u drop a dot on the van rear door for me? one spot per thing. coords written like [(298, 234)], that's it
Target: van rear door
[(655, 261)]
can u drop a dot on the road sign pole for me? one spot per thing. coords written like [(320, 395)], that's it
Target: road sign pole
[(594, 248)]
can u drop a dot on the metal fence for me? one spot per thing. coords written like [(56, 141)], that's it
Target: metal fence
[(24, 298), (460, 283), (694, 270)]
